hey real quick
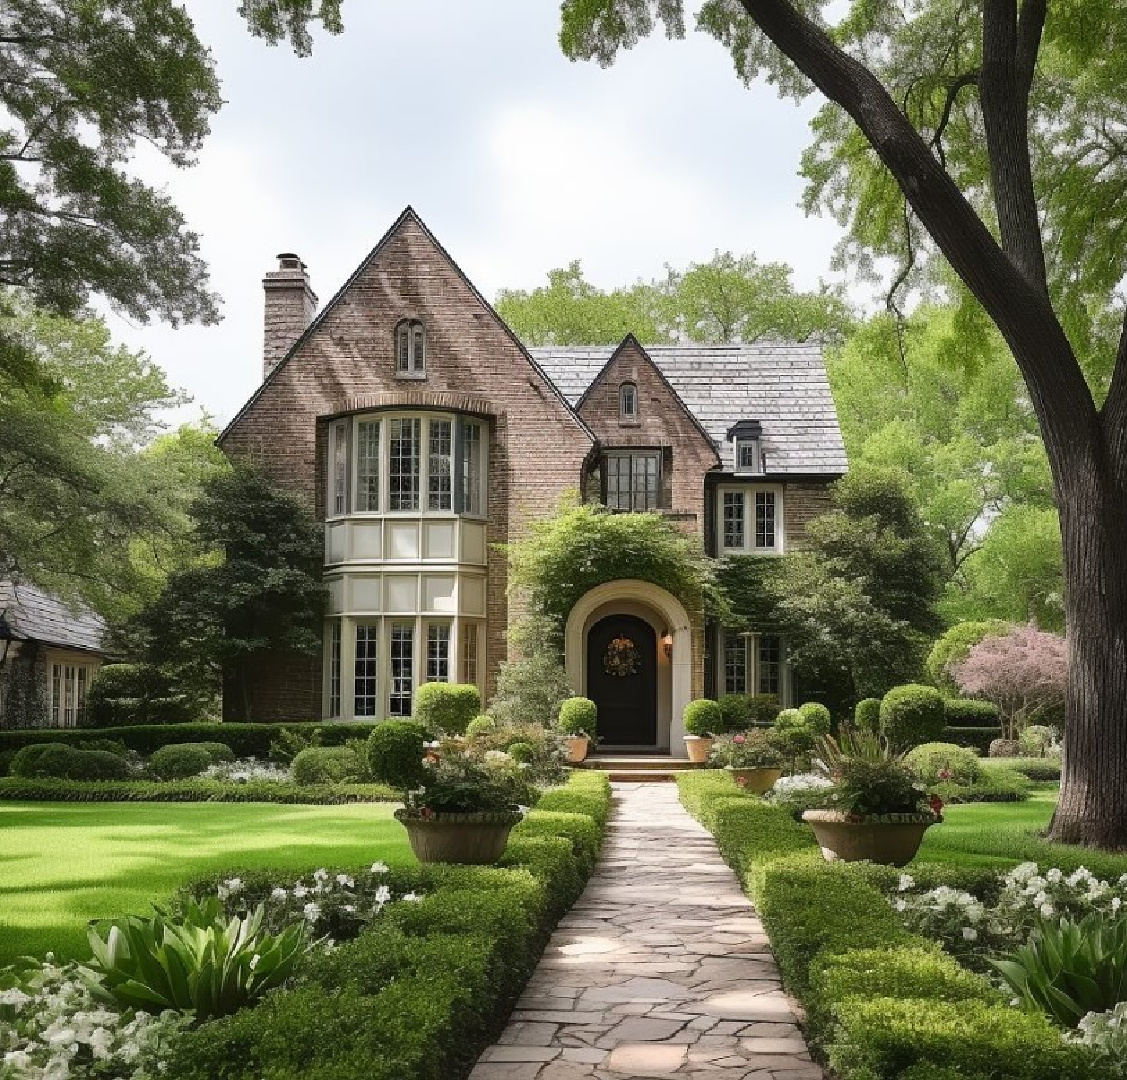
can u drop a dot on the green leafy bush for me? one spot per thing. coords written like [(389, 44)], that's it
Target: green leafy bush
[(817, 717), (58, 762), (220, 752), (25, 762), (327, 765), (522, 752), (977, 738), (1039, 770), (480, 725), (866, 715), (127, 694), (178, 761), (751, 750), (533, 685), (994, 785), (458, 779), (579, 716), (703, 717), (971, 712), (795, 735), (199, 962), (1037, 739), (912, 714), (196, 789), (447, 707), (395, 754), (938, 761), (742, 712), (1068, 969)]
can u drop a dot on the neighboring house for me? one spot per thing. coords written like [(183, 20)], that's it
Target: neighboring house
[(48, 655), (424, 433)]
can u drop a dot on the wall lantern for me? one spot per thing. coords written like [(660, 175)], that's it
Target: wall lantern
[(667, 645)]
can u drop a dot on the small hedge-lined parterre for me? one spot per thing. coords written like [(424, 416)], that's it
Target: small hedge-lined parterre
[(882, 1003), (431, 983)]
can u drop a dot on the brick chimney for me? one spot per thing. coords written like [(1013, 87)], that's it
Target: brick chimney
[(290, 307)]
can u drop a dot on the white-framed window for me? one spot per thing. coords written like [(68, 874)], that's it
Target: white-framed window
[(440, 458), (366, 682), (628, 403), (633, 479), (367, 465), (338, 473), (752, 664), (68, 686), (473, 468), (401, 652), (334, 669), (404, 462), (411, 349), (750, 519), (438, 652), (469, 635)]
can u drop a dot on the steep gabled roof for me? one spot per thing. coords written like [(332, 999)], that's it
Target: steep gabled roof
[(781, 384), (631, 341), (30, 614), (407, 215)]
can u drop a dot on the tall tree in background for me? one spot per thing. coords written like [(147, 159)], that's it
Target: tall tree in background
[(82, 85), (990, 125)]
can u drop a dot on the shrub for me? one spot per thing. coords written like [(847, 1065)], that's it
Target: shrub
[(866, 715), (53, 761), (447, 707), (395, 754), (178, 761), (290, 742), (126, 694), (970, 712), (480, 725), (994, 785), (974, 737), (1039, 770), (532, 686), (579, 716), (1037, 739), (522, 752), (933, 762), (952, 648), (817, 717), (910, 715), (25, 762), (742, 712), (794, 734), (703, 717), (754, 750), (196, 789), (1004, 748), (220, 752), (326, 765)]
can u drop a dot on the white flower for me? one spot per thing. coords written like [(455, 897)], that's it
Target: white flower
[(411, 897), (906, 882), (1046, 910), (901, 905), (970, 933), (14, 996), (383, 895), (18, 1059), (300, 891), (279, 894), (350, 908), (312, 912), (379, 868), (230, 887), (320, 875), (344, 879)]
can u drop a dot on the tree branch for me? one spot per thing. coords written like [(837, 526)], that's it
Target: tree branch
[(1115, 407), (953, 89)]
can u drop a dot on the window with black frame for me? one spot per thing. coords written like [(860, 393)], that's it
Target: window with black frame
[(633, 480)]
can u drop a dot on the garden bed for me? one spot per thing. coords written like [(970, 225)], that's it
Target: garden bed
[(882, 1003)]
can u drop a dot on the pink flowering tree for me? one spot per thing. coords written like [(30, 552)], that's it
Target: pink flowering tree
[(1023, 671)]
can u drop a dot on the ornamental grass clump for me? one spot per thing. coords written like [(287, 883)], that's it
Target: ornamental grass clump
[(869, 779)]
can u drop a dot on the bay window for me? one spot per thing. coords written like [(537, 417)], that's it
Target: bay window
[(404, 464), (402, 668)]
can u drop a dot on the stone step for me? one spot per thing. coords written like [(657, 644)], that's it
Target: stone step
[(639, 768)]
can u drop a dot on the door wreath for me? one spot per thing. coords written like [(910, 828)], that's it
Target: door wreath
[(622, 657)]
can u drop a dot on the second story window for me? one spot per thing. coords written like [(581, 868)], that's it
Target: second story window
[(747, 447), (749, 520), (411, 349), (632, 480), (628, 403), (403, 465)]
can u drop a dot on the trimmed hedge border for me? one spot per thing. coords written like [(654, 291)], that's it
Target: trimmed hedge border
[(432, 983), (881, 1003), (996, 785), (246, 740), (260, 791), (977, 738)]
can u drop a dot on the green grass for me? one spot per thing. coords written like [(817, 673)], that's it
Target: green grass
[(1003, 834), (63, 864)]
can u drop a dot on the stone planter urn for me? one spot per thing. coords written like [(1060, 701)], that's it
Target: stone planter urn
[(697, 748), (757, 780), (458, 838), (891, 839), (577, 747)]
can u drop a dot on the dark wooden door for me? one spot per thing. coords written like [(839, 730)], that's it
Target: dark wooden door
[(622, 680)]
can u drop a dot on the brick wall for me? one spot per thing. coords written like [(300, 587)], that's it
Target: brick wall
[(802, 502)]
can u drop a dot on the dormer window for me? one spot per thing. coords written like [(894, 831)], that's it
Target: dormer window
[(411, 349), (747, 447), (628, 403)]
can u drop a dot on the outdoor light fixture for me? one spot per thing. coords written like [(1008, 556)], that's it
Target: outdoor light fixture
[(667, 645)]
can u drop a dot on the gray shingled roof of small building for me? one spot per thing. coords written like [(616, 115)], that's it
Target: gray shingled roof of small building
[(29, 614), (781, 384)]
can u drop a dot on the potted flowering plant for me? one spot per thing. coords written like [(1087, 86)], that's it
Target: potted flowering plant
[(752, 758), (876, 808), (460, 802)]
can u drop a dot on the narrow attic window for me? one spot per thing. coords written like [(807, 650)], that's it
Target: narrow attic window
[(747, 449), (628, 403), (411, 349)]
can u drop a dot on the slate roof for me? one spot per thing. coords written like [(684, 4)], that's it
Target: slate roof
[(29, 614), (781, 384)]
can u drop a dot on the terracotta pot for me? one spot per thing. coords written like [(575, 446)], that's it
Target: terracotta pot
[(891, 839), (459, 838), (577, 746), (698, 747), (758, 780)]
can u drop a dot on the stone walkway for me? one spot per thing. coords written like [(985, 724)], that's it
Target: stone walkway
[(662, 968)]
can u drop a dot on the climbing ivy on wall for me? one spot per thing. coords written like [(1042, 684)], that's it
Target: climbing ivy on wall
[(583, 546)]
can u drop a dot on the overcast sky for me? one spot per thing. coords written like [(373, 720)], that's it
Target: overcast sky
[(517, 159)]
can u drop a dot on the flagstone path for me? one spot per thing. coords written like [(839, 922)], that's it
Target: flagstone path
[(661, 969)]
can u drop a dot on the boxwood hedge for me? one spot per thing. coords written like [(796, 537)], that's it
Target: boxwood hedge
[(881, 1003), (194, 790)]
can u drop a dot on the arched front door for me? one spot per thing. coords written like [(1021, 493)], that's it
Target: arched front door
[(622, 680)]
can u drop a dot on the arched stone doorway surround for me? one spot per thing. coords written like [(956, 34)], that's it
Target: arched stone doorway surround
[(665, 613)]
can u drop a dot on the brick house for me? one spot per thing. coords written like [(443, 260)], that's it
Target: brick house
[(424, 433)]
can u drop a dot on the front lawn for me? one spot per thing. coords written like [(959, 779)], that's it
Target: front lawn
[(64, 864)]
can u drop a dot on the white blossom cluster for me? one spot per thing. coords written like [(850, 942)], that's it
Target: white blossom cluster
[(337, 906), (963, 923), (53, 1028), (800, 782), (246, 769), (1106, 1034)]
